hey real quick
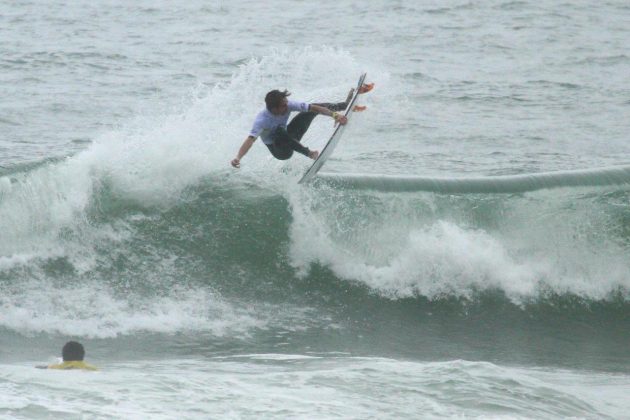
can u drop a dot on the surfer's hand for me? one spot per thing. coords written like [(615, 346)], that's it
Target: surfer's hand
[(339, 119), (236, 162), (313, 154)]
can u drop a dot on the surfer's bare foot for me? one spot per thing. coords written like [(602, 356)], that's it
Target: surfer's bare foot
[(313, 154), (366, 87), (359, 108)]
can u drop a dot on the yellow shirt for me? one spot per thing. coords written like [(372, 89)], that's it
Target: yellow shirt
[(74, 364)]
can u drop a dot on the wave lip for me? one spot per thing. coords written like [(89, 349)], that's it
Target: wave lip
[(505, 184)]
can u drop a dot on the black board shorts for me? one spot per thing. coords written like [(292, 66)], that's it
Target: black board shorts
[(287, 140)]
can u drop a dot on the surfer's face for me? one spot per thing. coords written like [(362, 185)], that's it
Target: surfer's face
[(282, 108)]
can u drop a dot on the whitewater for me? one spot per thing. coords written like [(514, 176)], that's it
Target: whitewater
[(463, 254)]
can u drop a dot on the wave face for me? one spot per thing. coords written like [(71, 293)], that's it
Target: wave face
[(149, 231)]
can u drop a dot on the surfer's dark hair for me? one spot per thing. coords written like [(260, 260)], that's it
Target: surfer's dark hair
[(72, 351), (274, 98)]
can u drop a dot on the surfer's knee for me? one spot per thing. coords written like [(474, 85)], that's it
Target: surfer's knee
[(280, 153)]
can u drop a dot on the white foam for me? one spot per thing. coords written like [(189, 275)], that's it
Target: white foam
[(440, 260), (91, 310), (324, 387), (395, 250)]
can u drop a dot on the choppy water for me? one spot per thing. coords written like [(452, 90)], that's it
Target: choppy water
[(202, 291)]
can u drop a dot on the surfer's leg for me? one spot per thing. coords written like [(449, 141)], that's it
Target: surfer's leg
[(280, 153), (302, 121), (284, 145)]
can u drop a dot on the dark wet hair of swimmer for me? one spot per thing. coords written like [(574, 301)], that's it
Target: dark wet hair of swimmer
[(73, 351)]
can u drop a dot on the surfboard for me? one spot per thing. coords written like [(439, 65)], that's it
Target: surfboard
[(334, 138)]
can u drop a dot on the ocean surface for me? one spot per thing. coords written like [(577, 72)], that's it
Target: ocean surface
[(466, 253)]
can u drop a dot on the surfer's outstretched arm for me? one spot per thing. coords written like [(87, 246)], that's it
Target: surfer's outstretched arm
[(341, 119), (247, 144)]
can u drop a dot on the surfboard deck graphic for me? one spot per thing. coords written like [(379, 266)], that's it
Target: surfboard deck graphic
[(334, 139)]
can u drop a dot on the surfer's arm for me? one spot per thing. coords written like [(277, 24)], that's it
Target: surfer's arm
[(341, 119), (247, 144)]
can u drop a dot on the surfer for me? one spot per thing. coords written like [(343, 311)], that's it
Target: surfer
[(72, 354), (282, 139)]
